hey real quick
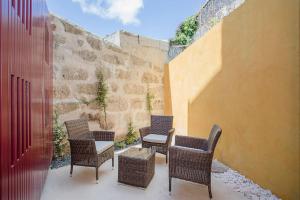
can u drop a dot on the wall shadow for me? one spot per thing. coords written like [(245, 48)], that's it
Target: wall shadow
[(255, 96)]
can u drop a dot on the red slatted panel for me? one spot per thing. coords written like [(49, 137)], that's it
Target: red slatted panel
[(26, 96)]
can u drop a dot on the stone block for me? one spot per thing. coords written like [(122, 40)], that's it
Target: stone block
[(95, 43), (158, 105), (63, 108), (109, 124), (87, 88), (58, 40), (114, 48), (137, 103), (80, 43), (130, 88), (116, 103), (157, 91), (86, 55), (149, 78), (142, 117), (149, 42), (71, 28), (114, 87), (138, 61), (122, 74), (113, 59), (61, 91), (157, 68), (71, 73), (104, 70)]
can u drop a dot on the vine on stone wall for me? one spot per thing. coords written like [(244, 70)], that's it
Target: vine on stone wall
[(149, 99), (101, 95)]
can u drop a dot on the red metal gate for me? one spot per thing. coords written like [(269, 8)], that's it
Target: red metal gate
[(26, 98)]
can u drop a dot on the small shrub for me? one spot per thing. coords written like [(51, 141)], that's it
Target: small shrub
[(131, 136), (186, 31), (120, 145), (59, 137)]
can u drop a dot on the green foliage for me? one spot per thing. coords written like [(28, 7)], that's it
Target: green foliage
[(59, 137), (131, 136), (186, 31), (101, 95), (149, 99), (120, 145)]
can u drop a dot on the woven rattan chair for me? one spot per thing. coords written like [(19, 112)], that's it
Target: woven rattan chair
[(89, 148), (191, 158), (159, 134)]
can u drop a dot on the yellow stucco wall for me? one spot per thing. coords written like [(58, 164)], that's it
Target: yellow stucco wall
[(244, 75)]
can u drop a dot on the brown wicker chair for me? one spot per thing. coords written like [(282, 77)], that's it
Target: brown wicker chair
[(191, 158), (159, 134), (89, 148)]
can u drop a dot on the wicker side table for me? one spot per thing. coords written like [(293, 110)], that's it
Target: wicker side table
[(136, 166)]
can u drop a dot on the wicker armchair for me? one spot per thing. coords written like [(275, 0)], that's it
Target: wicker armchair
[(89, 148), (191, 158), (159, 134)]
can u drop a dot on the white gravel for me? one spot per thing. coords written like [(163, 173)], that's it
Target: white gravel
[(240, 183)]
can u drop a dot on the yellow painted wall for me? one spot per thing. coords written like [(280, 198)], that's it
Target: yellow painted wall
[(244, 75)]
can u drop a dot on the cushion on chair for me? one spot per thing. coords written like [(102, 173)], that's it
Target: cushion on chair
[(155, 138), (102, 146)]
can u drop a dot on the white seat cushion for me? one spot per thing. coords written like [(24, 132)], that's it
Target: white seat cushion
[(155, 138), (101, 146)]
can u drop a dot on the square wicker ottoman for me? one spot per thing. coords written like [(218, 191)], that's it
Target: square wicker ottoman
[(136, 166)]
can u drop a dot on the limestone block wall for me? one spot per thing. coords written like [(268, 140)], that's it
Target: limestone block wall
[(129, 74)]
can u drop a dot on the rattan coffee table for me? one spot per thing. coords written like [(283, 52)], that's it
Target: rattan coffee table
[(136, 166)]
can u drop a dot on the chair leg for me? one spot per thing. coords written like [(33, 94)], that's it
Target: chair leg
[(167, 158), (209, 191), (170, 183), (71, 170), (97, 176), (113, 162)]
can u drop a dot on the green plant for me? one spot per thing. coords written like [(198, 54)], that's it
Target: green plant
[(131, 136), (120, 145), (186, 31), (149, 99), (59, 137), (101, 95)]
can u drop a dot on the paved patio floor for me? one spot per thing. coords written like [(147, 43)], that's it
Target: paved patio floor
[(82, 186)]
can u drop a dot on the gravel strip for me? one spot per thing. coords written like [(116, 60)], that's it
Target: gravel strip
[(240, 183)]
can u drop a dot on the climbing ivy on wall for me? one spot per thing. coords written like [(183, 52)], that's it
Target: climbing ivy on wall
[(149, 99), (186, 31), (101, 95)]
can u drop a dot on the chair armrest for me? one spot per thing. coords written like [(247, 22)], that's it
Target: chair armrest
[(82, 146), (144, 131), (170, 136), (191, 142), (104, 135), (189, 158)]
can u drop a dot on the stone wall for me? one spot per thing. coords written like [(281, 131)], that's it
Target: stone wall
[(131, 67)]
